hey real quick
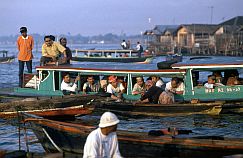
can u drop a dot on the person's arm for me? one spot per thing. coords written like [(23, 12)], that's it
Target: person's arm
[(18, 44), (116, 153), (91, 148)]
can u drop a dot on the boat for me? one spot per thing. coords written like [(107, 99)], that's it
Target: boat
[(5, 58), (194, 72), (169, 60), (54, 107), (123, 56), (57, 136)]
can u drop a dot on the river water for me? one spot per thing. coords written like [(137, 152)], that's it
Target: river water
[(223, 125)]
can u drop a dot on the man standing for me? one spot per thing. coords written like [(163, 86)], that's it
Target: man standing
[(102, 142), (124, 44), (63, 42), (25, 44), (139, 48), (51, 51)]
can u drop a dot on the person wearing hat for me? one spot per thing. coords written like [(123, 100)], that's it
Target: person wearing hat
[(102, 142), (152, 94), (25, 45), (116, 89)]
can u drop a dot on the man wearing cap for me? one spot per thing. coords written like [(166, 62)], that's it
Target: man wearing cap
[(51, 50), (102, 142), (116, 89), (25, 44)]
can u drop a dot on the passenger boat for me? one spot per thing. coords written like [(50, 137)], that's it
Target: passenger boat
[(123, 56), (48, 80), (5, 58), (169, 60), (54, 107), (56, 136)]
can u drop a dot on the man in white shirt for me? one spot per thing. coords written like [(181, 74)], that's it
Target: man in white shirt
[(67, 87), (175, 86), (158, 81), (116, 89), (124, 44), (102, 142)]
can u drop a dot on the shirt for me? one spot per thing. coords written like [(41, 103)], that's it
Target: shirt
[(112, 90), (178, 89), (159, 83), (138, 88), (25, 47), (53, 50), (152, 94), (68, 86), (208, 85), (98, 145), (91, 87)]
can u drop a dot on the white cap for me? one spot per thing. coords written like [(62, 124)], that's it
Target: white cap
[(108, 119)]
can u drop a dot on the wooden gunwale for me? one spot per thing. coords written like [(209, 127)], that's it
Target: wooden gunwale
[(141, 137)]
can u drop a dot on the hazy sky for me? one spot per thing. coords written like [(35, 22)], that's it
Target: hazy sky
[(93, 17)]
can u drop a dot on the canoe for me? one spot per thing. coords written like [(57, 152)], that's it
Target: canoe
[(56, 107), (5, 58), (169, 60), (57, 136)]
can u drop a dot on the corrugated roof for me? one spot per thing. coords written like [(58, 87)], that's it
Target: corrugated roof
[(200, 28), (238, 20)]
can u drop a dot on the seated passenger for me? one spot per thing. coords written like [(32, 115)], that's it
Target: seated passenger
[(211, 82), (175, 86), (157, 80), (152, 94), (139, 87), (114, 88), (90, 85), (50, 52), (218, 76), (232, 81), (67, 87)]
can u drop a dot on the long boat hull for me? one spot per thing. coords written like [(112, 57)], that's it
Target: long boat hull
[(55, 107), (177, 109), (116, 59), (56, 136), (6, 59)]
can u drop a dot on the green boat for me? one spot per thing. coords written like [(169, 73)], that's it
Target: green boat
[(48, 79)]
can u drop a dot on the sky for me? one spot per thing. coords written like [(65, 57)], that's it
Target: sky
[(94, 17)]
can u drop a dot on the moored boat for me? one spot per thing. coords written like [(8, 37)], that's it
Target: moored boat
[(5, 58), (56, 136), (123, 56), (169, 60)]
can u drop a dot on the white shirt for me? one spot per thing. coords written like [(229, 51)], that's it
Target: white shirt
[(68, 86), (159, 83), (124, 45), (101, 146), (112, 90), (178, 89), (208, 85), (138, 47)]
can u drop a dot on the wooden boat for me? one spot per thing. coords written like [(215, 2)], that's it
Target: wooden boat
[(5, 58), (169, 60), (48, 80), (123, 56), (56, 136), (55, 107)]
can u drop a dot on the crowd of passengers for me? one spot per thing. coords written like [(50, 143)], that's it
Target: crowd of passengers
[(154, 90), (231, 78)]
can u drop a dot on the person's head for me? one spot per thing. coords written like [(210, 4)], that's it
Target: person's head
[(90, 79), (138, 42), (149, 84), (48, 41), (140, 81), (113, 81), (63, 41), (53, 38), (175, 82), (123, 40), (155, 78), (66, 77), (108, 123), (217, 74), (211, 79), (23, 31)]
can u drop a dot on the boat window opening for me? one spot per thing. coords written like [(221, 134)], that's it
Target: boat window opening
[(44, 75), (56, 79)]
